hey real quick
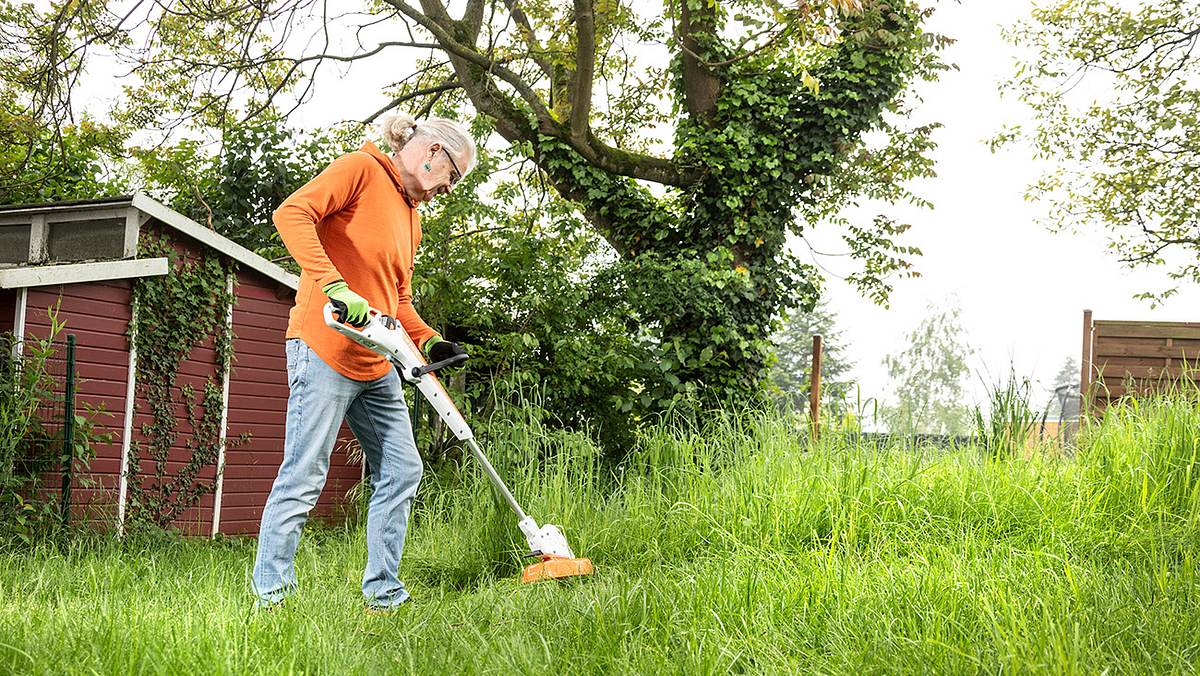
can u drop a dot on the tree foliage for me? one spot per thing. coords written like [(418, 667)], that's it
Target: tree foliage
[(47, 150), (1114, 93), (694, 141), (1068, 374), (514, 273), (235, 186), (1063, 401), (930, 377), (64, 164)]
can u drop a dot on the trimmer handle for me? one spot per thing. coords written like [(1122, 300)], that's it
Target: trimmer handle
[(340, 311), (430, 368)]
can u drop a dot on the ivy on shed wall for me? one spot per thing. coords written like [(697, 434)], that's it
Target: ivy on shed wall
[(174, 313)]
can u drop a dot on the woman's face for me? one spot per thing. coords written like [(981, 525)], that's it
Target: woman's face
[(427, 169)]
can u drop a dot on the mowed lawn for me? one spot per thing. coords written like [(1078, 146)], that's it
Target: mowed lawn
[(734, 549)]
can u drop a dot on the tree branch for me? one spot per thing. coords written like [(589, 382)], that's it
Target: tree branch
[(525, 28), (473, 16), (467, 53), (474, 71), (700, 85), (585, 65), (436, 89)]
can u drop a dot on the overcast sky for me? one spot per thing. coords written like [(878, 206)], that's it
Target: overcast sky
[(1022, 289)]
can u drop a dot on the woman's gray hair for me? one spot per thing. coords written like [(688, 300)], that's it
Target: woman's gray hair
[(398, 129)]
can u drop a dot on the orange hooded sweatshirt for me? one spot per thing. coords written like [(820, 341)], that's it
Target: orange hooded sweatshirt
[(352, 222)]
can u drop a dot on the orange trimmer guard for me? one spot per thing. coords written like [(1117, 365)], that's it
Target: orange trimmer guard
[(556, 567)]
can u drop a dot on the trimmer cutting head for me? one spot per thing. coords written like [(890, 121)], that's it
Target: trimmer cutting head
[(557, 559), (556, 567)]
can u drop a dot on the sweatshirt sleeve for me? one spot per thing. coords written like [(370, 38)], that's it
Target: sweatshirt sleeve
[(297, 218)]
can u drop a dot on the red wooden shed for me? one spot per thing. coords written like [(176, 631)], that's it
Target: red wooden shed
[(83, 258)]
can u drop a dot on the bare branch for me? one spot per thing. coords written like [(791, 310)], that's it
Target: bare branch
[(445, 86), (469, 54), (536, 51)]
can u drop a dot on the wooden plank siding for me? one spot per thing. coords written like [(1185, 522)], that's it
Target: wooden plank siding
[(98, 314), (196, 370), (1137, 358), (8, 309), (258, 392)]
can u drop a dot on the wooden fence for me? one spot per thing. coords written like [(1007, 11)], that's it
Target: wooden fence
[(1131, 358)]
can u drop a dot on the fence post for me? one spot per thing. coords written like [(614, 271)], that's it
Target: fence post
[(68, 430), (1085, 363), (814, 390)]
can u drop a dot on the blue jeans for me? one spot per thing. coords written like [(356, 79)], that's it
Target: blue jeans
[(318, 401)]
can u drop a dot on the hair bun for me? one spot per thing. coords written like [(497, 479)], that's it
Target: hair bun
[(397, 129)]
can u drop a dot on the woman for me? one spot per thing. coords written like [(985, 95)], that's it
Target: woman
[(354, 230)]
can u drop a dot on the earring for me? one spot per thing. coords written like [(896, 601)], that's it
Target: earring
[(428, 166)]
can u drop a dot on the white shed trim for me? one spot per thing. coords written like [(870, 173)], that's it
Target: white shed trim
[(52, 275), (207, 237), (19, 323), (143, 208), (216, 524), (127, 428)]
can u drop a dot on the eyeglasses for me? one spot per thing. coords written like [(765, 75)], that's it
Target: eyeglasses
[(457, 175)]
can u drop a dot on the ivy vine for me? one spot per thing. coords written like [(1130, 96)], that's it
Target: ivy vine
[(175, 313), (705, 271)]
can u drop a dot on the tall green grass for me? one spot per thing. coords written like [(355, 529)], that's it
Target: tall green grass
[(730, 547)]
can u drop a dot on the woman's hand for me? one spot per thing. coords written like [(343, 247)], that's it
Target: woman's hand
[(438, 349), (357, 307)]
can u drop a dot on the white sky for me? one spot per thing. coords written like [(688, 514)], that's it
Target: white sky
[(1022, 289)]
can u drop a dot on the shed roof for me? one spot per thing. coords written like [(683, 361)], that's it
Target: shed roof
[(138, 207)]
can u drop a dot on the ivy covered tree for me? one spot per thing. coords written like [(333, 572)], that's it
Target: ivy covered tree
[(1114, 90), (694, 139)]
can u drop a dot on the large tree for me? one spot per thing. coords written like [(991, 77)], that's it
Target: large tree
[(694, 139), (1114, 93)]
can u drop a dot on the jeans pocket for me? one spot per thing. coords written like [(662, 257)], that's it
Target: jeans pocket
[(294, 348)]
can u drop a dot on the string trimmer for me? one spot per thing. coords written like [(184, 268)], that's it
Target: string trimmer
[(383, 335)]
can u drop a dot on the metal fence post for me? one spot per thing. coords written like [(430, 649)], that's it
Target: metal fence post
[(415, 414), (814, 388), (68, 430)]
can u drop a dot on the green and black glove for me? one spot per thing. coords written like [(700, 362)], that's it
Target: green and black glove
[(438, 348), (354, 307)]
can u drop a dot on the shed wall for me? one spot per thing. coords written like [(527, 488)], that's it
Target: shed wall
[(196, 370), (258, 392), (98, 314)]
